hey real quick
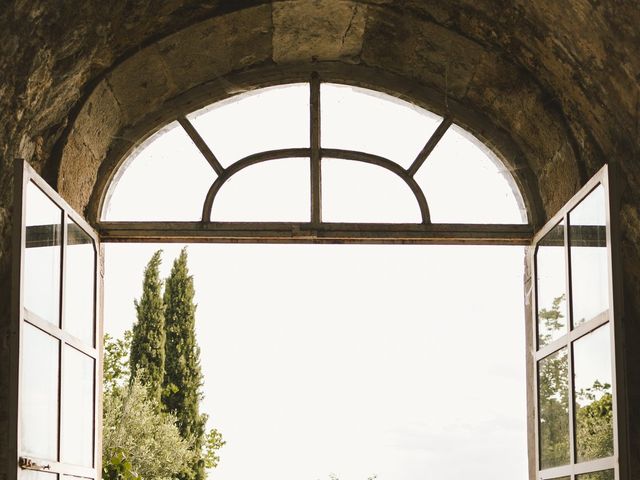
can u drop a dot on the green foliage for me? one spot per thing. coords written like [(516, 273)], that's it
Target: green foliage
[(551, 319), (333, 476), (137, 433), (152, 425), (183, 380), (213, 443), (148, 341), (118, 467), (594, 422), (116, 361)]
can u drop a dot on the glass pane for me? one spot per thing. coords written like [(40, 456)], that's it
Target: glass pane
[(593, 395), (77, 412), (35, 475), (273, 191), (464, 182), (602, 475), (589, 260), (42, 256), (553, 398), (173, 175), (361, 192), (79, 283), (39, 394), (551, 286), (364, 120), (562, 478), (266, 119)]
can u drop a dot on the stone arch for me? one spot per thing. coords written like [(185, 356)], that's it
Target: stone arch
[(345, 41)]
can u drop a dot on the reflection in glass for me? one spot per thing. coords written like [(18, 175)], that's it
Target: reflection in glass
[(464, 182), (79, 283), (352, 192), (42, 256), (265, 119), (359, 119), (553, 397), (551, 286), (77, 424), (173, 173), (593, 395), (589, 265), (39, 394), (602, 475), (273, 191)]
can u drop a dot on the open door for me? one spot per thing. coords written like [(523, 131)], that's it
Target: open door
[(56, 337), (578, 383)]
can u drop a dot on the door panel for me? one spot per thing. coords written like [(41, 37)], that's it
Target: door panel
[(57, 358), (578, 409)]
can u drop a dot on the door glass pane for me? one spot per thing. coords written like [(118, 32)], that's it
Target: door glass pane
[(35, 475), (78, 417), (593, 395), (42, 256), (551, 286), (79, 284), (553, 397), (39, 394), (273, 191), (602, 475), (352, 192), (589, 265)]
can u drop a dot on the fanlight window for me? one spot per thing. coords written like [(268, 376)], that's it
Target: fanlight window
[(314, 153)]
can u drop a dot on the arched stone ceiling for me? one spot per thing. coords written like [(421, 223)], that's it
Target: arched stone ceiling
[(558, 78)]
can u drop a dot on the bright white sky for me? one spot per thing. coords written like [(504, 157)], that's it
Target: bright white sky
[(402, 361)]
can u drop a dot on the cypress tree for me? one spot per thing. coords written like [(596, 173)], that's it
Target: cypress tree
[(183, 379), (147, 357)]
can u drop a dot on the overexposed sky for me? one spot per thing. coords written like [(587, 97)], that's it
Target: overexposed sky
[(354, 360), (405, 362)]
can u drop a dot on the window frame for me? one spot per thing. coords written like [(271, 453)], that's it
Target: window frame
[(613, 317), (24, 175), (315, 230)]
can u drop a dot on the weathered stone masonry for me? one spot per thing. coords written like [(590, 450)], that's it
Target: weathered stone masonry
[(551, 86)]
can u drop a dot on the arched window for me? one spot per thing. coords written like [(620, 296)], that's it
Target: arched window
[(316, 154), (320, 162)]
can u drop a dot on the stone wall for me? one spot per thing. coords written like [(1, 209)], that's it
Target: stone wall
[(553, 86)]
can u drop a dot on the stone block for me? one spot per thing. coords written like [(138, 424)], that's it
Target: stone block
[(321, 30), (99, 120), (213, 48), (418, 49), (141, 84)]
